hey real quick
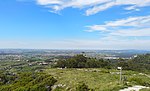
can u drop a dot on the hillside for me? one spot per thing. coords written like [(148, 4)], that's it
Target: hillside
[(96, 79), (74, 74)]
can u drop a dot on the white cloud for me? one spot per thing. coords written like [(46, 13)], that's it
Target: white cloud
[(140, 21), (93, 6), (47, 2), (128, 33), (134, 32), (99, 8), (58, 5), (96, 28), (134, 4), (132, 26)]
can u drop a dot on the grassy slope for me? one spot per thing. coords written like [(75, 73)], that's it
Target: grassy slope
[(146, 89), (97, 79)]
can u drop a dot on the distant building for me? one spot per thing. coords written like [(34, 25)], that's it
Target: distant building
[(135, 56)]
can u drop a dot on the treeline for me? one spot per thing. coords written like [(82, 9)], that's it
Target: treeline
[(80, 61), (140, 63)]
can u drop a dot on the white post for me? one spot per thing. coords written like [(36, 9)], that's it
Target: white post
[(120, 75), (120, 68)]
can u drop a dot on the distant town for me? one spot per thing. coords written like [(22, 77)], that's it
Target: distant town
[(53, 55)]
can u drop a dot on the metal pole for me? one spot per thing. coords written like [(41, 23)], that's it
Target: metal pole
[(120, 75)]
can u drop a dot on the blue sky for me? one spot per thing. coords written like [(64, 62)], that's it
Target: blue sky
[(75, 24)]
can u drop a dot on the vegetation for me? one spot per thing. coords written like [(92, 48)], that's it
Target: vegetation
[(26, 81), (141, 63), (98, 79), (80, 61), (78, 73), (145, 89), (82, 87)]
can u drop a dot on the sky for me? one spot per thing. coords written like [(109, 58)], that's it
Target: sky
[(75, 24)]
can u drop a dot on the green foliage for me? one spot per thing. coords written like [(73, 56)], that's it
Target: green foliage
[(145, 89), (125, 65), (61, 64), (140, 81), (33, 59), (24, 78), (141, 63), (6, 77), (80, 61), (28, 81), (82, 87)]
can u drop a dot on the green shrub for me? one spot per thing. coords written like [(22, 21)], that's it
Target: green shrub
[(30, 82), (140, 80), (82, 87)]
